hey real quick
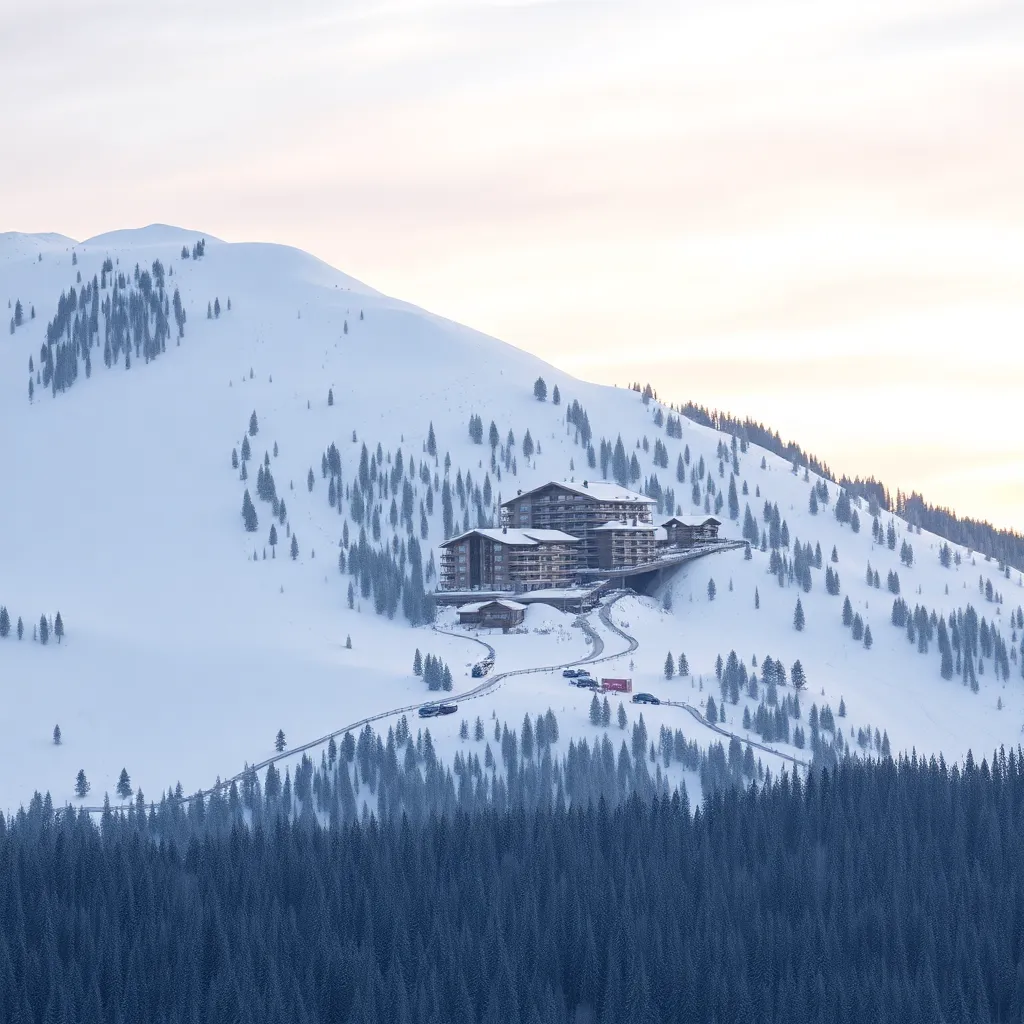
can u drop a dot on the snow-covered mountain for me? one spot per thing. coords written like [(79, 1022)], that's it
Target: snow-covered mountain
[(185, 650)]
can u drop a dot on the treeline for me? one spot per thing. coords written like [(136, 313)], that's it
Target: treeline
[(1006, 546), (136, 316), (41, 632), (880, 892), (964, 642)]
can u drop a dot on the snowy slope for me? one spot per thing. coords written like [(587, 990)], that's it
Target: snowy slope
[(183, 656)]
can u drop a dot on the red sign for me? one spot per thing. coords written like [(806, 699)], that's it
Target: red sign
[(619, 685)]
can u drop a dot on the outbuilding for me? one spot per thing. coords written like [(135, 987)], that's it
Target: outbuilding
[(499, 613), (686, 531)]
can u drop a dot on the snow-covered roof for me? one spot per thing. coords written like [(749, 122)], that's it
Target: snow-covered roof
[(692, 521), (476, 606), (517, 538), (599, 490), (630, 527)]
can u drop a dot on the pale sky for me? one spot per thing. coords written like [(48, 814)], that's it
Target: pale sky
[(809, 213)]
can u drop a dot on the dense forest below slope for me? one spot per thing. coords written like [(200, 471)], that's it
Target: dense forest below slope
[(880, 891)]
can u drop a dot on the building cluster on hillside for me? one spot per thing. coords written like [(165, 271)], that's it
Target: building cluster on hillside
[(551, 534)]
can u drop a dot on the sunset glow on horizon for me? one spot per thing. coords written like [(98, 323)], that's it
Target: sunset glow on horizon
[(811, 215)]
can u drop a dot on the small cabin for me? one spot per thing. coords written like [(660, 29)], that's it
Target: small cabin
[(686, 531), (500, 613)]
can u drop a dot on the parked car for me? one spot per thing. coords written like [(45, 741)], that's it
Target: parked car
[(570, 673), (443, 708), (586, 681), (645, 698)]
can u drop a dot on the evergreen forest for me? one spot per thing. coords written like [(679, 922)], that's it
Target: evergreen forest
[(872, 891)]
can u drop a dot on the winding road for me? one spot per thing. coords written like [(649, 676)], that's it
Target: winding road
[(486, 685), (606, 618)]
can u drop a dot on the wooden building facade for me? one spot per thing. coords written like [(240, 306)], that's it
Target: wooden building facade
[(578, 510), (508, 559), (500, 613), (686, 531), (624, 544)]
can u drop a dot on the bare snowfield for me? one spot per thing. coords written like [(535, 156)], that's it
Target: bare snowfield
[(184, 656)]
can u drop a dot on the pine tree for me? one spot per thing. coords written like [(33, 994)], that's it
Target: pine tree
[(249, 517), (82, 786), (540, 390), (757, 599), (294, 548), (670, 667), (417, 663), (798, 676), (712, 590), (254, 426), (5, 623), (56, 735), (683, 666), (279, 742), (556, 397), (310, 479), (868, 639), (847, 612), (44, 630), (527, 445), (798, 617), (21, 628), (711, 711), (58, 628), (595, 711), (330, 396), (124, 785), (620, 716), (606, 714)]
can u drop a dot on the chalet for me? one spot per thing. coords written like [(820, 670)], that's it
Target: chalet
[(508, 559), (500, 613), (577, 509), (686, 531), (624, 544)]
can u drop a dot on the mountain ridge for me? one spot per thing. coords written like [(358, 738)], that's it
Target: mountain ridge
[(128, 522)]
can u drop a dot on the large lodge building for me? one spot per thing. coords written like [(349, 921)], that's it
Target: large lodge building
[(552, 531), (578, 509)]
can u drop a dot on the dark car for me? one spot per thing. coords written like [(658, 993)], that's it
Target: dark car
[(645, 698), (429, 711), (587, 682), (570, 673), (447, 709)]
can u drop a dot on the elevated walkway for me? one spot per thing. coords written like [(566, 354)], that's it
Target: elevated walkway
[(665, 561)]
